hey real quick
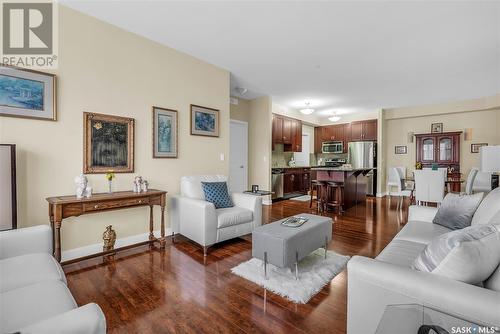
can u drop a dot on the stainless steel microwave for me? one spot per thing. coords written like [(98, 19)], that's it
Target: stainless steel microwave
[(332, 147)]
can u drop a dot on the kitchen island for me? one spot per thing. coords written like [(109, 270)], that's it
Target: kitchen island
[(354, 180)]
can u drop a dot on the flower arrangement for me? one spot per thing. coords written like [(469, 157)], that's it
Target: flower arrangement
[(418, 166), (110, 175)]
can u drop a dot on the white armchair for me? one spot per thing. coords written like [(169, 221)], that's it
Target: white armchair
[(199, 220), (34, 297)]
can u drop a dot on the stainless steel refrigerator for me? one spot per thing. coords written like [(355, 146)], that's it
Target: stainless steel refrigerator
[(363, 154)]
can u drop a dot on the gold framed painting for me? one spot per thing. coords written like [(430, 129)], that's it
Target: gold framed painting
[(27, 93), (204, 121), (108, 144), (165, 133)]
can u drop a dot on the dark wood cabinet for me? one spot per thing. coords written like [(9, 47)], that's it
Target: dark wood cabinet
[(287, 131), (363, 130), (277, 130), (296, 180), (355, 131), (442, 149)]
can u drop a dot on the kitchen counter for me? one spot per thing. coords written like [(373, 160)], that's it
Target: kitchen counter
[(288, 167), (341, 169)]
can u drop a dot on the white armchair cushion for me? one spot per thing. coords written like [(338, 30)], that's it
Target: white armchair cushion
[(233, 216), (488, 211), (191, 185), (493, 282), (33, 303), (87, 319), (421, 232), (20, 271), (35, 239), (401, 252), (422, 213)]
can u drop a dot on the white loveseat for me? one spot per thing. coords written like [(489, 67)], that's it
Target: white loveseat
[(34, 297), (373, 284), (200, 221)]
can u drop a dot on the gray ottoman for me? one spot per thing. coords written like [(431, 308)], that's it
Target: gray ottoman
[(285, 246)]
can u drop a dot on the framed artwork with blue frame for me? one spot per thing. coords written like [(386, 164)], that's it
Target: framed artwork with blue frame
[(27, 93), (204, 121), (165, 133)]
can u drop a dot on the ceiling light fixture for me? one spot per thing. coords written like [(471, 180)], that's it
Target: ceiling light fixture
[(334, 118), (307, 110)]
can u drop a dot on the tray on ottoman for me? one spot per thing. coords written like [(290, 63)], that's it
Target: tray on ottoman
[(285, 246)]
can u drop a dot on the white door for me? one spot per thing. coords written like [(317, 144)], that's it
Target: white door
[(238, 156)]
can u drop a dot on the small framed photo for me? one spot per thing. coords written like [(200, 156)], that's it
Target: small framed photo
[(27, 93), (474, 148), (108, 144), (437, 127), (204, 121), (400, 149), (165, 129)]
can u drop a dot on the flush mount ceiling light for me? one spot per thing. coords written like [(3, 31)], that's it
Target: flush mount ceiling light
[(334, 118), (307, 110)]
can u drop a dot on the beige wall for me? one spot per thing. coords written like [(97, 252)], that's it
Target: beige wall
[(485, 125), (240, 111), (107, 70), (259, 133)]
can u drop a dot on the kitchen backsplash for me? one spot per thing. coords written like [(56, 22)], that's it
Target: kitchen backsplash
[(281, 159)]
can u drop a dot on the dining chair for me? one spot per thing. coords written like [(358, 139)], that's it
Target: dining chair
[(470, 181), (397, 179), (429, 186)]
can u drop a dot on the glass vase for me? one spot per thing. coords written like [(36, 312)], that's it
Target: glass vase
[(110, 186)]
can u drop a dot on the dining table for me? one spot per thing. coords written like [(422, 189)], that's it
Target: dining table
[(448, 182)]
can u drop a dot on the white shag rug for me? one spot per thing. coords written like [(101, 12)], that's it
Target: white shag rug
[(314, 273)]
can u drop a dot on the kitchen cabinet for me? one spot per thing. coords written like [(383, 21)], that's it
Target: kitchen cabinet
[(330, 133), (287, 131), (363, 130), (277, 130), (318, 139), (296, 180)]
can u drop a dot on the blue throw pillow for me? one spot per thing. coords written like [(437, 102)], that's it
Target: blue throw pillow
[(217, 193)]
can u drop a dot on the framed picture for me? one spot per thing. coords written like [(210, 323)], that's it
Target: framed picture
[(108, 144), (437, 127), (165, 136), (474, 148), (204, 121), (400, 150), (27, 93)]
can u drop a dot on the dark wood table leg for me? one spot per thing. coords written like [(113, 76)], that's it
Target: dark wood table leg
[(57, 240), (151, 235), (162, 228)]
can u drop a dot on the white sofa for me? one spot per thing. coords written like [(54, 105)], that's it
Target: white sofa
[(373, 284), (200, 221), (34, 297)]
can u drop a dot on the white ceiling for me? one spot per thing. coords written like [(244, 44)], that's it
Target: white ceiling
[(347, 56)]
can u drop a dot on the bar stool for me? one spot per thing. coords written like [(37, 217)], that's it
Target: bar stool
[(335, 195), (320, 188)]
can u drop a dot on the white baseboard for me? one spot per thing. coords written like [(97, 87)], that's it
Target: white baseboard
[(76, 253), (382, 194)]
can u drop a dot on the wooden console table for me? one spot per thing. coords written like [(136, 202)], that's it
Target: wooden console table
[(61, 207)]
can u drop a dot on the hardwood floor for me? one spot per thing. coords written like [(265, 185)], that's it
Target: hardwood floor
[(145, 290)]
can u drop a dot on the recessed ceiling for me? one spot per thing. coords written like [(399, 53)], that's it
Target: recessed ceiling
[(343, 56)]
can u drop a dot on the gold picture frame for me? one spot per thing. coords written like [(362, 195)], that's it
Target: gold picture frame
[(108, 143)]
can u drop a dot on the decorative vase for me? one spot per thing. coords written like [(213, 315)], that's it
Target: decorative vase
[(110, 186)]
